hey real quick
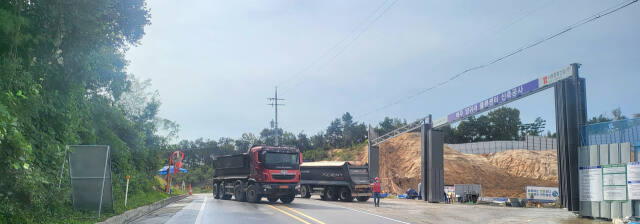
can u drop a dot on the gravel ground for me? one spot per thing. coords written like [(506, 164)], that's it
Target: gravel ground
[(414, 211)]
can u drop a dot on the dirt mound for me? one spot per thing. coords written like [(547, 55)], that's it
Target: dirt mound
[(527, 163), (504, 174)]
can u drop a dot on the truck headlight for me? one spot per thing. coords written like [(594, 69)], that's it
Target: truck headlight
[(267, 186)]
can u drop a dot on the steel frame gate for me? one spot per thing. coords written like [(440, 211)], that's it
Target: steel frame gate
[(571, 113)]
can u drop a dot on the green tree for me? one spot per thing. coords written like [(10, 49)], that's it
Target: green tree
[(303, 142), (246, 141), (352, 132), (474, 129), (617, 114), (505, 124), (600, 118), (534, 129), (334, 133), (389, 124)]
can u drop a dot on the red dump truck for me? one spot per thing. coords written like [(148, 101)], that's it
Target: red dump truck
[(263, 171)]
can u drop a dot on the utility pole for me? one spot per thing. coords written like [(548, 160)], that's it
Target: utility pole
[(275, 104)]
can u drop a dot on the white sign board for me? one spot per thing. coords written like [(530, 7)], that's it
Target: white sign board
[(555, 77), (590, 183), (542, 193), (615, 193), (614, 179), (614, 184), (633, 180), (448, 189)]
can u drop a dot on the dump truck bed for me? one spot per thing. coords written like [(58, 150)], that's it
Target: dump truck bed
[(231, 166)]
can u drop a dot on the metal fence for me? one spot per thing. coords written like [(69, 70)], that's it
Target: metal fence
[(611, 132), (607, 169), (530, 143)]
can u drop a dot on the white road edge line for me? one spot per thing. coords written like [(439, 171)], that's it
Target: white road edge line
[(379, 216), (199, 217)]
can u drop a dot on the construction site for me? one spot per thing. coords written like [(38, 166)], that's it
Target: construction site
[(501, 174)]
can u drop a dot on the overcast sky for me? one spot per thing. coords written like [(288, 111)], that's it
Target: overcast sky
[(215, 62)]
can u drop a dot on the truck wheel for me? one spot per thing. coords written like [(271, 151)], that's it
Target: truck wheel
[(345, 195), (304, 191), (223, 193), (272, 199), (238, 193), (216, 191), (331, 194), (252, 194), (287, 199), (363, 198)]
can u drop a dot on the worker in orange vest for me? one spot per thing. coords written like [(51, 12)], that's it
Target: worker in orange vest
[(376, 188)]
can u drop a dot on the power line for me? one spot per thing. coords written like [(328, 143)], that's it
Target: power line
[(362, 27), (496, 30), (335, 46), (519, 50)]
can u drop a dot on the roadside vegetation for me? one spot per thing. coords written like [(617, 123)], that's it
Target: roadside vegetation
[(63, 81)]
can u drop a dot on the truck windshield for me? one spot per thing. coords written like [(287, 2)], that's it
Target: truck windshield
[(285, 159)]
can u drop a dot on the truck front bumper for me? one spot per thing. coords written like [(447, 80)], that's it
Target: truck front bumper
[(278, 189)]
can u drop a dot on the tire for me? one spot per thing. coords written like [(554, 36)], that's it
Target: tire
[(252, 194), (345, 195), (362, 198), (216, 191), (272, 199), (223, 194), (304, 191), (287, 199), (239, 194), (331, 194)]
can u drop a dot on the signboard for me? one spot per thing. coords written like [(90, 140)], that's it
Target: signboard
[(542, 193), (590, 181), (554, 77), (633, 180), (448, 189), (506, 97), (614, 182)]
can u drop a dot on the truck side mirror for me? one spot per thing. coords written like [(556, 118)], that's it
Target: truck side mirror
[(300, 158)]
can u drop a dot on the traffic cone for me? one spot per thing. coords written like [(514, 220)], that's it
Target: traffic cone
[(190, 189)]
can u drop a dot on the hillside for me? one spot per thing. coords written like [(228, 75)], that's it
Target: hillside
[(503, 174)]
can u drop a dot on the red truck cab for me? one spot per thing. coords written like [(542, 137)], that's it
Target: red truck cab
[(276, 169)]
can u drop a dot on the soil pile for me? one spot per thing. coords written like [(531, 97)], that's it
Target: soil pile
[(503, 174), (526, 163)]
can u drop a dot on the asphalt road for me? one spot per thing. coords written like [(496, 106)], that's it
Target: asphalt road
[(203, 208)]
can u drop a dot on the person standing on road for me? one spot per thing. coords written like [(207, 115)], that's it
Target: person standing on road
[(376, 188), (446, 198), (451, 198)]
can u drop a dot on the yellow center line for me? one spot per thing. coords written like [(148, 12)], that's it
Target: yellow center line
[(302, 214), (289, 214)]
